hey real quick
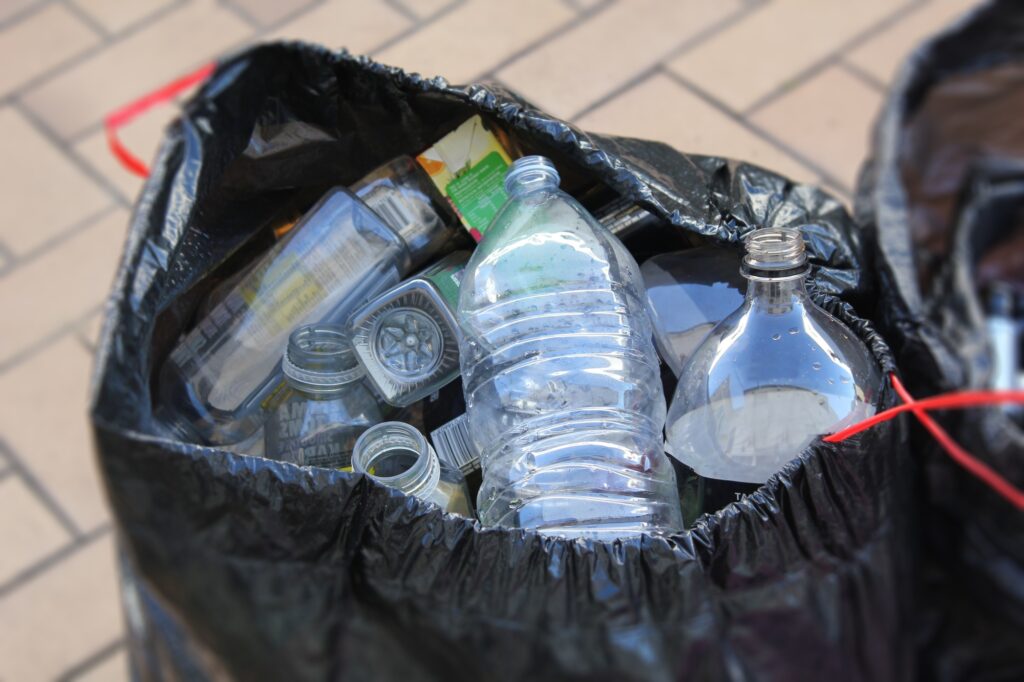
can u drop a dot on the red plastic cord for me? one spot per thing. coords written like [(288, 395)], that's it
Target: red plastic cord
[(127, 113), (957, 400)]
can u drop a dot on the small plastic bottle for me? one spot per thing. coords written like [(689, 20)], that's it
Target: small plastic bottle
[(345, 250), (324, 406), (397, 455), (562, 381), (770, 378)]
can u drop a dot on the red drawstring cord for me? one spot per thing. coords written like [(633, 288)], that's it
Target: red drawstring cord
[(127, 113), (959, 399)]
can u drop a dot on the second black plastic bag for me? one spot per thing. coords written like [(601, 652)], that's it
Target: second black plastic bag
[(240, 567), (944, 200)]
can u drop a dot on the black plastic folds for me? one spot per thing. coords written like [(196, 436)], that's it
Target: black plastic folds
[(238, 567), (944, 199)]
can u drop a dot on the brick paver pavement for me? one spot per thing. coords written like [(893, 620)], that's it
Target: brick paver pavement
[(790, 84)]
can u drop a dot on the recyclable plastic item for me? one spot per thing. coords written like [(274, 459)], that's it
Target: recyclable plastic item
[(315, 419), (406, 339), (563, 391), (811, 578), (688, 293), (343, 251), (396, 454), (770, 378), (455, 446)]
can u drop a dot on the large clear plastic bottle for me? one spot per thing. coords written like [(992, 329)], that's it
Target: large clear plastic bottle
[(562, 385), (346, 249), (777, 373)]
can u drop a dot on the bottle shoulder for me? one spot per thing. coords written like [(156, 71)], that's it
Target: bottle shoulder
[(803, 346)]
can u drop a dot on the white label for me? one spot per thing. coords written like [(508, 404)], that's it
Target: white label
[(453, 446), (391, 206)]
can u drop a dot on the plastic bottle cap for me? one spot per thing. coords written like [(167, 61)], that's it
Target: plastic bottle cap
[(408, 342)]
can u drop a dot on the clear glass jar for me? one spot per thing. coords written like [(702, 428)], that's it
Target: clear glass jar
[(324, 406), (396, 454), (345, 250), (770, 378)]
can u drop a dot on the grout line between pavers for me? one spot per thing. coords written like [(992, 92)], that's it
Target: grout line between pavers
[(399, 7), (69, 63), (763, 133), (90, 129), (93, 660), (23, 13), (54, 558), (241, 13), (634, 81), (802, 76), (53, 138), (416, 28), (5, 471), (56, 240), (48, 339), (41, 493), (861, 75), (571, 24), (693, 41), (89, 20), (8, 258)]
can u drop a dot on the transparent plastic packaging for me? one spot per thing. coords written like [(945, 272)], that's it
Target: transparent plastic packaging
[(324, 406), (688, 293), (345, 250), (562, 384), (396, 454), (776, 374), (406, 339)]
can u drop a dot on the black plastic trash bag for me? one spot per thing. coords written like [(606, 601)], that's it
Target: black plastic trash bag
[(244, 568), (944, 199)]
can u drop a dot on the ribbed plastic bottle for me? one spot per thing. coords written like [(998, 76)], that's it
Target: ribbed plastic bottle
[(563, 394)]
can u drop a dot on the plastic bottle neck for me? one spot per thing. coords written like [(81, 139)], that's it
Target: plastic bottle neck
[(397, 455), (531, 174), (320, 360), (776, 266)]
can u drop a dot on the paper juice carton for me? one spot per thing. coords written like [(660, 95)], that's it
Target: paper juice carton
[(468, 167)]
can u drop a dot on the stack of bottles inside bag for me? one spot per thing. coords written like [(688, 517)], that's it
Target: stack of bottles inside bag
[(461, 293)]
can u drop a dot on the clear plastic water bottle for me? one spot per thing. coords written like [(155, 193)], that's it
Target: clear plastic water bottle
[(770, 378), (561, 378), (325, 404)]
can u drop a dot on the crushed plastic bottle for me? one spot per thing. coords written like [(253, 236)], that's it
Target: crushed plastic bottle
[(770, 378), (324, 406), (688, 293), (562, 385), (345, 250)]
